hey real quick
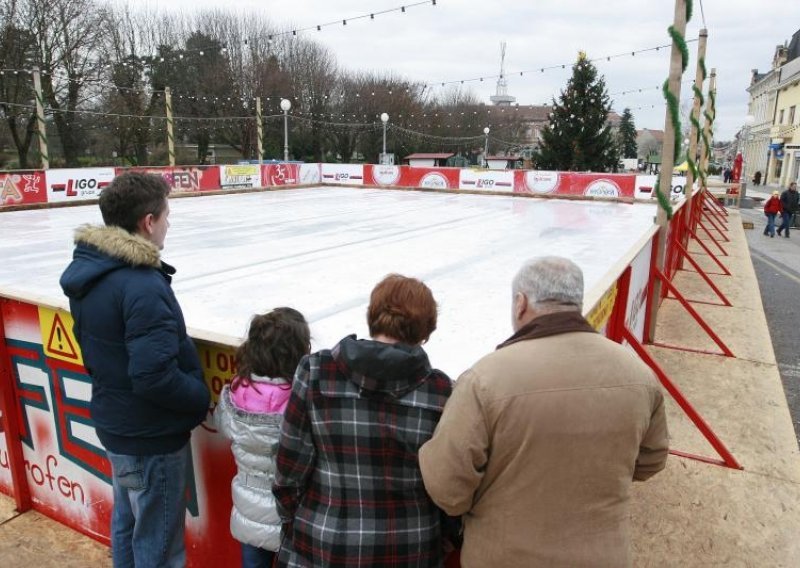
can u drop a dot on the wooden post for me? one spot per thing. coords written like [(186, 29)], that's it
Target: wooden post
[(710, 111), (667, 159), (170, 131), (693, 133), (41, 127), (260, 131)]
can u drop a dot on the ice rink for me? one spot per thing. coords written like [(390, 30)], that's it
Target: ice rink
[(321, 250)]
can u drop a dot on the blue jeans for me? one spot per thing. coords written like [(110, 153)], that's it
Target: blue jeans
[(770, 230), (148, 519), (786, 218), (254, 557)]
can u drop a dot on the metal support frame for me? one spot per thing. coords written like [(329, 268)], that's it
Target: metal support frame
[(725, 271), (619, 332), (714, 337), (715, 204), (10, 423), (727, 458), (710, 236), (710, 213), (720, 230), (702, 273)]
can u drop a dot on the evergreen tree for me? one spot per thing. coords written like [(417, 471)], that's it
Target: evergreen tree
[(627, 135), (578, 137)]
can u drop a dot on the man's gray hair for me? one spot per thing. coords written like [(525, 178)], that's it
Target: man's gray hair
[(552, 283)]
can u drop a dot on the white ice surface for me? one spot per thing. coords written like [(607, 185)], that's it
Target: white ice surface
[(322, 250)]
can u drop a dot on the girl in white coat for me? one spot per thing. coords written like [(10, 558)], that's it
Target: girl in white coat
[(249, 413)]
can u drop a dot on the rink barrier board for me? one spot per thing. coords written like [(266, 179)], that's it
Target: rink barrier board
[(79, 185)]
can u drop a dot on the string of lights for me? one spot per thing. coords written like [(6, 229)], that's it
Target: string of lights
[(551, 67), (103, 83)]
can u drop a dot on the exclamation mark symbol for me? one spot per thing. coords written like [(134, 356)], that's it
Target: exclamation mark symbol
[(58, 334)]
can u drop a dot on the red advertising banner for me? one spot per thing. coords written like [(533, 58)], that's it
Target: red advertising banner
[(273, 175), (574, 183), (23, 187), (184, 178), (408, 176)]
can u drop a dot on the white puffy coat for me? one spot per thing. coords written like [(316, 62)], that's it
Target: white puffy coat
[(254, 436)]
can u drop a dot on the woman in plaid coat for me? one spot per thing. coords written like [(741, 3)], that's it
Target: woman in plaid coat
[(348, 483)]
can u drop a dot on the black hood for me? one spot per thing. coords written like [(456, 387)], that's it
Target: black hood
[(393, 369)]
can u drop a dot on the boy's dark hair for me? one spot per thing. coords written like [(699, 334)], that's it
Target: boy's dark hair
[(132, 196), (274, 346)]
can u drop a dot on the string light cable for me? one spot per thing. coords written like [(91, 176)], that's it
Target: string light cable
[(551, 67)]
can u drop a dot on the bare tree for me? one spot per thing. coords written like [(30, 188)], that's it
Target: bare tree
[(16, 88)]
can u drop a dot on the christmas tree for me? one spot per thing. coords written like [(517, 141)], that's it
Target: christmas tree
[(627, 135), (578, 137)]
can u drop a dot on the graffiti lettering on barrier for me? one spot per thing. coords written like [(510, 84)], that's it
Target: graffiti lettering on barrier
[(37, 375), (183, 180), (48, 476)]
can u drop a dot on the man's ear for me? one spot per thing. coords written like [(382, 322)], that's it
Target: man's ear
[(520, 305), (145, 225)]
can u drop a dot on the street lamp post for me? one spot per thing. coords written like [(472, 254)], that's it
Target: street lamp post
[(286, 104), (486, 147), (384, 120)]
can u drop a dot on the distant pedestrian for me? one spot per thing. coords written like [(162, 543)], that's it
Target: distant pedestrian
[(249, 413), (757, 178), (790, 206), (772, 208)]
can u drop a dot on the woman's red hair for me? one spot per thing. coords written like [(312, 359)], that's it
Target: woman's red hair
[(402, 308)]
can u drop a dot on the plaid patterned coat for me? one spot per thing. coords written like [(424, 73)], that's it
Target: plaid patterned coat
[(348, 483)]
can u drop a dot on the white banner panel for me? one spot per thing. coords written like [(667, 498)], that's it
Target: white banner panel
[(77, 184), (241, 175), (310, 174), (646, 187), (637, 293), (487, 180), (343, 174)]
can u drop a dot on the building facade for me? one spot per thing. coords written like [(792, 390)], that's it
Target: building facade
[(785, 132), (771, 144)]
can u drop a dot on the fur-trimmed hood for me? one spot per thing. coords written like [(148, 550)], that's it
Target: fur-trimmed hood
[(100, 250), (119, 243)]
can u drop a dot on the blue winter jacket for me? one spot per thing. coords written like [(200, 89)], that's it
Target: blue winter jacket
[(148, 390)]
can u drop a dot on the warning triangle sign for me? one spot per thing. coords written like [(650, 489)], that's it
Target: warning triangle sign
[(60, 342)]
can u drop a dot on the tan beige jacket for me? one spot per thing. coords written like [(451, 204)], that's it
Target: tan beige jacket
[(537, 448)]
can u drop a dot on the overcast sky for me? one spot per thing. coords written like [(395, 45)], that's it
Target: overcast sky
[(460, 39)]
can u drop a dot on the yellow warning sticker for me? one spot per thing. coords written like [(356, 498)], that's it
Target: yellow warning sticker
[(57, 337), (601, 312), (219, 366)]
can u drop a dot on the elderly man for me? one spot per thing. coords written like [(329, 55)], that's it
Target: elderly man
[(539, 443)]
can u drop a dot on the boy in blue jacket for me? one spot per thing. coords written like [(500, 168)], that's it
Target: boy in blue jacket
[(148, 391)]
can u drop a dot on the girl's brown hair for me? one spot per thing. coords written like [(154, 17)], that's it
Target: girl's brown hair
[(274, 346), (402, 308)]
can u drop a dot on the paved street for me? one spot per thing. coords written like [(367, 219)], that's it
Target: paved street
[(777, 265)]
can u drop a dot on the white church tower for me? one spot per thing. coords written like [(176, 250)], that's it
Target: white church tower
[(501, 97)]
